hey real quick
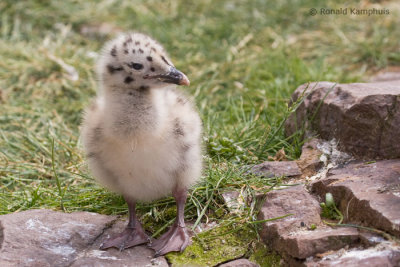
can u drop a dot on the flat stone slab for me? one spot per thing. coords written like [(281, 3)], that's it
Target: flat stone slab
[(294, 240), (51, 238), (277, 168), (306, 243), (363, 117), (367, 193), (381, 255), (293, 200)]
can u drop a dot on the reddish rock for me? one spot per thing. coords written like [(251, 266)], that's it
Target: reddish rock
[(366, 193), (294, 200), (277, 168), (239, 263), (374, 257), (363, 117), (309, 161), (50, 238), (303, 244)]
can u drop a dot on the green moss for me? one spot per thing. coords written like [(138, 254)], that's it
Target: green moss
[(264, 257), (215, 246)]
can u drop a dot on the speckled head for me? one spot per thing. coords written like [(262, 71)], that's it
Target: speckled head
[(136, 61)]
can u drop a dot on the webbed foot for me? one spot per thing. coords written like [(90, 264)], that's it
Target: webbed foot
[(130, 237), (176, 239)]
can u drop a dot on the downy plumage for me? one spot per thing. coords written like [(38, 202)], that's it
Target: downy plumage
[(142, 137)]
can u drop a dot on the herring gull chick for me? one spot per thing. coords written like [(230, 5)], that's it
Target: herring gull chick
[(141, 135)]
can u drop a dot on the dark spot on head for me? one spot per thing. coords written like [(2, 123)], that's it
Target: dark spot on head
[(111, 69), (141, 51), (143, 88), (133, 51), (152, 69), (129, 39), (137, 43), (149, 58), (135, 66), (153, 49), (126, 51), (114, 51), (147, 45), (124, 44), (130, 93), (128, 79), (178, 130), (166, 62), (264, 168)]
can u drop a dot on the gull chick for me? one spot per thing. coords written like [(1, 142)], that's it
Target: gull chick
[(141, 135)]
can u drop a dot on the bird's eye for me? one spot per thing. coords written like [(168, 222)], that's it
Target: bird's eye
[(135, 66)]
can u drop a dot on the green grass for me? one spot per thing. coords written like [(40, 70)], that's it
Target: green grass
[(244, 59)]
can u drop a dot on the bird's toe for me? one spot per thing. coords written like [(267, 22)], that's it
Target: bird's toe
[(130, 237), (176, 239), (137, 238)]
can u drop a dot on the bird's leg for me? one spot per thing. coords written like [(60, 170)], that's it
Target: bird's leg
[(133, 234), (177, 237)]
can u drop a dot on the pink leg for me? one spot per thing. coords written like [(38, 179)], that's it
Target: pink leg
[(133, 234), (177, 237)]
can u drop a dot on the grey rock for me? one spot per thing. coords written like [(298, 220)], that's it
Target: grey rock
[(363, 117), (50, 238), (240, 263), (136, 256), (366, 193), (277, 168), (234, 201)]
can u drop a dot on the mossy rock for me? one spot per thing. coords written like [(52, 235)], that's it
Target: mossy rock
[(213, 247), (220, 245), (264, 257)]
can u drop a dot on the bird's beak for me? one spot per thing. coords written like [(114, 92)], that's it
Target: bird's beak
[(177, 77), (173, 76)]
